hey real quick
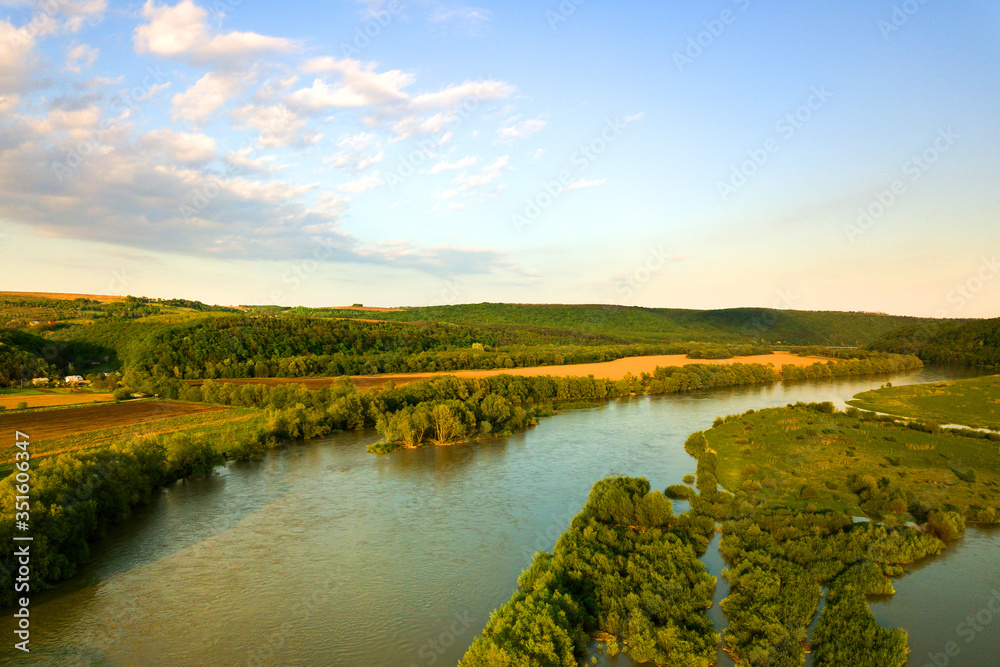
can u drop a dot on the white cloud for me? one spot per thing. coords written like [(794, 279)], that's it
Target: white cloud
[(206, 97), (182, 32), (515, 129), (359, 85), (536, 155), (277, 124), (486, 177), (584, 183), (444, 165), (360, 151), (181, 146), (468, 18), (243, 162), (81, 13), (372, 180), (452, 96), (80, 57)]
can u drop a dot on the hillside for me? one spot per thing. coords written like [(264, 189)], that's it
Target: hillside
[(975, 343), (790, 327)]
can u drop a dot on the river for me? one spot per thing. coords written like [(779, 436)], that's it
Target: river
[(323, 554)]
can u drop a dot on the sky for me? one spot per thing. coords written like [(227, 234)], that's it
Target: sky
[(815, 156)]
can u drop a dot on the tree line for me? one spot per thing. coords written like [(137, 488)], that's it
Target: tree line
[(625, 567)]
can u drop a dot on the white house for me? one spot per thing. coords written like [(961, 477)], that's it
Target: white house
[(76, 380), (39, 381)]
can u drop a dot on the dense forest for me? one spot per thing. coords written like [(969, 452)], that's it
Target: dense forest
[(75, 497), (626, 567), (976, 343), (766, 325), (779, 562)]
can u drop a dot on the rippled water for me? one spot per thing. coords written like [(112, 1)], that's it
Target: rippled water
[(324, 554)]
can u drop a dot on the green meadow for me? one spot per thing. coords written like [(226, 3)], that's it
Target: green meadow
[(974, 402), (814, 457)]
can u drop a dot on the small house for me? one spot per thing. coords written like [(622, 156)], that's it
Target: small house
[(39, 382)]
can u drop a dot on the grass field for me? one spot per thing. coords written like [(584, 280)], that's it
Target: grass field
[(222, 425), (801, 457), (40, 399), (64, 296), (974, 402), (51, 425)]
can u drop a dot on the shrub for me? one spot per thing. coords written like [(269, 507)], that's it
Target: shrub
[(689, 479), (121, 394), (808, 492), (679, 492), (22, 405), (945, 526)]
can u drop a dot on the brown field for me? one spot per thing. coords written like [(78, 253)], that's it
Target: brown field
[(103, 298), (371, 308), (612, 370), (52, 400), (50, 424)]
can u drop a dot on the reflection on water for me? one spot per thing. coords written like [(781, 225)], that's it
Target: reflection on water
[(324, 554)]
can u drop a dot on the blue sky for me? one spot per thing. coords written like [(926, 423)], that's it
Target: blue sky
[(731, 153)]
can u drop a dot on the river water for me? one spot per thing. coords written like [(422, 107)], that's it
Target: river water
[(323, 554)]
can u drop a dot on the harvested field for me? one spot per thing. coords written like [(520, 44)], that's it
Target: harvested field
[(613, 370), (47, 400), (102, 298), (51, 424)]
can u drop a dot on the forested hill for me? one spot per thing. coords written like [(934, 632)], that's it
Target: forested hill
[(793, 327), (975, 343)]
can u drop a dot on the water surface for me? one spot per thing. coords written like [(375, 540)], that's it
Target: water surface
[(323, 554)]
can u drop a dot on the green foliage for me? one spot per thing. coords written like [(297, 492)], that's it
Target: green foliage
[(75, 497), (805, 453), (951, 341), (680, 492), (779, 559), (946, 526), (974, 402), (847, 635), (742, 325), (620, 569)]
